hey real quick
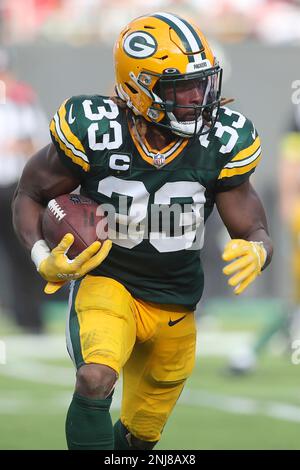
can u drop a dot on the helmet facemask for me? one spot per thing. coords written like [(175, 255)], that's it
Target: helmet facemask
[(200, 114)]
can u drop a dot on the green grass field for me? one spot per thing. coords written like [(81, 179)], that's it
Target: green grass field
[(216, 411)]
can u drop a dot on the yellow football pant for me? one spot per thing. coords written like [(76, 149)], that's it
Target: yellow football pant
[(106, 325)]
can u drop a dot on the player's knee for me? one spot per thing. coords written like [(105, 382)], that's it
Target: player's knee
[(95, 381)]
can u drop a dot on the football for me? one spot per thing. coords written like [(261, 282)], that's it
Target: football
[(76, 214)]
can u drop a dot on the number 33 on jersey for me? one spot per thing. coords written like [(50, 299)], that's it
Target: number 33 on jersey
[(160, 201)]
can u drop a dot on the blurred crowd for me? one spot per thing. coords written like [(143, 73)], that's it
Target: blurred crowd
[(23, 130), (82, 21)]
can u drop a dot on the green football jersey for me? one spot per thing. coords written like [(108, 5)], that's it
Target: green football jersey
[(157, 202)]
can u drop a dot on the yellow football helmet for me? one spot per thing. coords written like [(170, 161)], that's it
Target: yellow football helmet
[(163, 50)]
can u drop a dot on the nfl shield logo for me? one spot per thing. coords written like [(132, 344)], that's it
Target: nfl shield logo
[(158, 160)]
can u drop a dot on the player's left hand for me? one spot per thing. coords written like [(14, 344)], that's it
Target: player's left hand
[(88, 265), (249, 259)]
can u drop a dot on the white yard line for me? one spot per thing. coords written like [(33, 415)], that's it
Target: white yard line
[(24, 352), (39, 347), (209, 343), (18, 403), (240, 405), (38, 372)]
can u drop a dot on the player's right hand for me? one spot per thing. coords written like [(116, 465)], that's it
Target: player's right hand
[(57, 267), (247, 260)]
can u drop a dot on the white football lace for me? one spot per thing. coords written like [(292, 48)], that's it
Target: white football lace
[(55, 208)]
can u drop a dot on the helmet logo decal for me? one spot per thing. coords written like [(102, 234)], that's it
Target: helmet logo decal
[(140, 45)]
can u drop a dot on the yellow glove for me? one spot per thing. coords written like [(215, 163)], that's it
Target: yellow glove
[(249, 257), (57, 268)]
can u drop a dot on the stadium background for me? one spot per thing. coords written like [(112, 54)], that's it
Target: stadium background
[(65, 48)]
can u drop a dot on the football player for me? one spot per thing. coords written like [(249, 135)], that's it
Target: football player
[(161, 153)]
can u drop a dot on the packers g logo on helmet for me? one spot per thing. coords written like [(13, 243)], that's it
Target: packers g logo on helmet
[(140, 45), (161, 50)]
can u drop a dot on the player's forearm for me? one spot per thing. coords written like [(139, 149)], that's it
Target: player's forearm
[(27, 214), (248, 219)]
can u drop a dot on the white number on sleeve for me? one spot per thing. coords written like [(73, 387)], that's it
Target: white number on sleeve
[(237, 123), (110, 114)]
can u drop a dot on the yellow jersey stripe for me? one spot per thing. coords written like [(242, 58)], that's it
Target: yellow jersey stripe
[(162, 151), (64, 147), (247, 152), (65, 128), (166, 151), (229, 172), (60, 133), (148, 159)]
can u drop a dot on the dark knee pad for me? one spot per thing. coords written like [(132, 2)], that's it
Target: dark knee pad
[(125, 440), (139, 444)]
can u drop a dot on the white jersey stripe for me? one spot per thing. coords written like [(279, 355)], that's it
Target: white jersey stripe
[(68, 335), (66, 142), (242, 163), (152, 154)]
